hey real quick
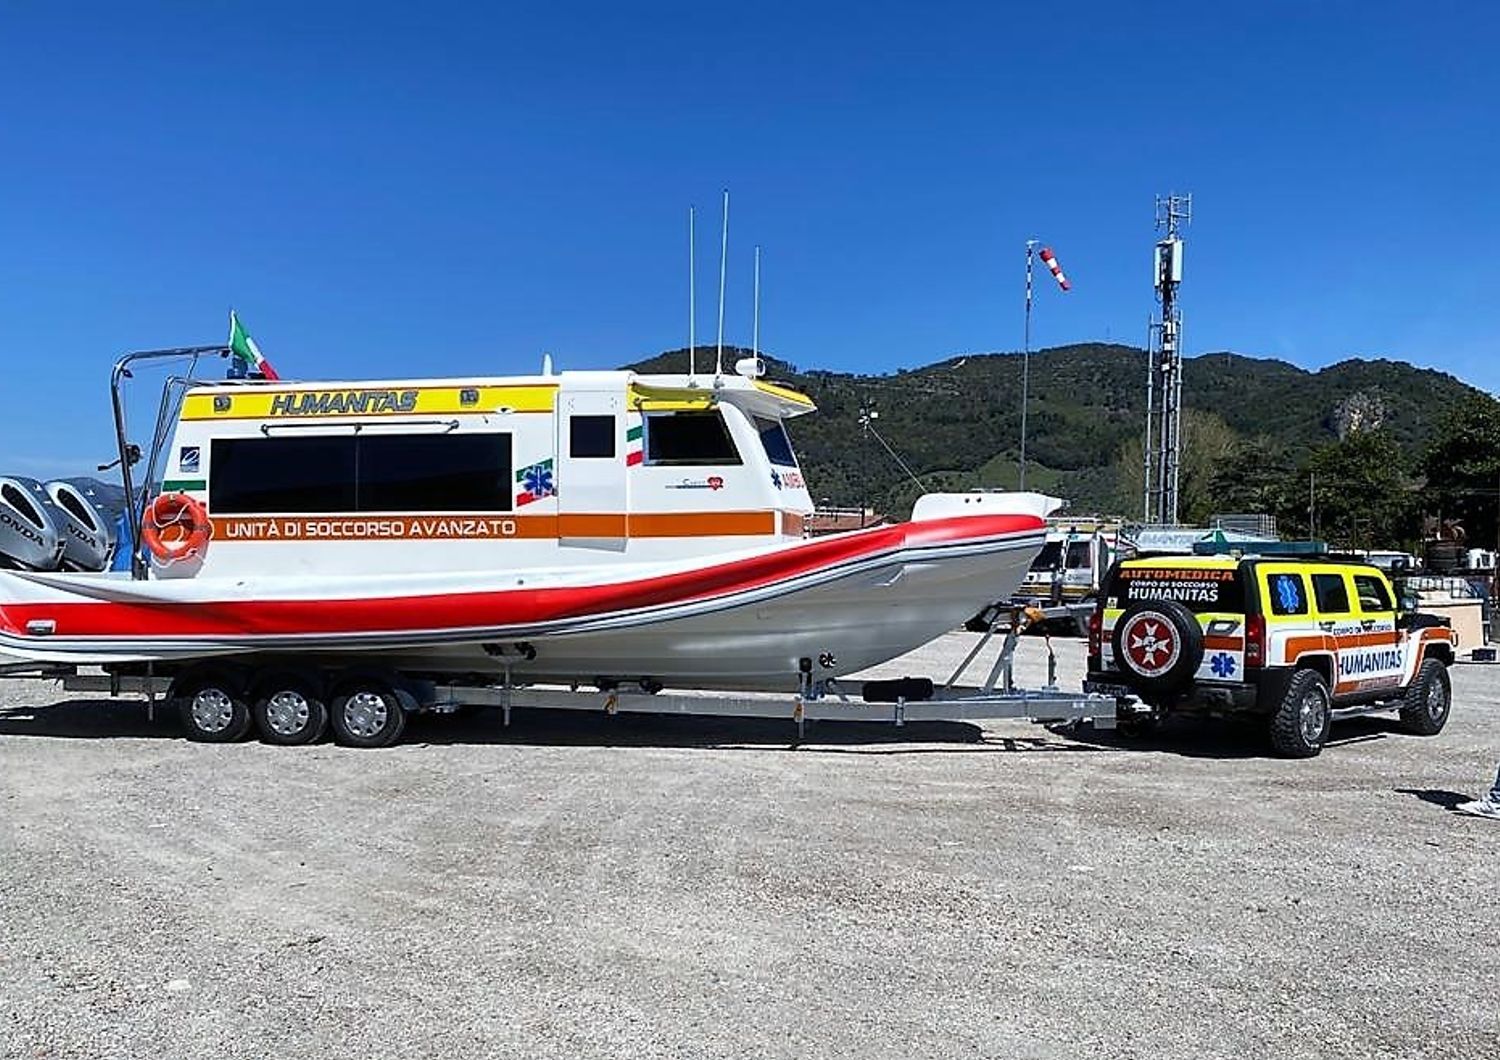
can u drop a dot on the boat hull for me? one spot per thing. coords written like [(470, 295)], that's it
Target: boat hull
[(744, 622)]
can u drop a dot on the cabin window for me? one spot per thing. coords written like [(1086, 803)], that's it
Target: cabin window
[(777, 445), (293, 475), (351, 473), (591, 437), (689, 438), (433, 473)]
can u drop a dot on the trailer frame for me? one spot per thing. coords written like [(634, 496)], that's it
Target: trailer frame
[(995, 697)]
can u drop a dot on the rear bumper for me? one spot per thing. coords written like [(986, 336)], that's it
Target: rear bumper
[(1258, 694)]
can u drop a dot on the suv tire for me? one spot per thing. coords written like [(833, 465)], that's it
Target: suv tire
[(1148, 628), (1299, 726), (1424, 710)]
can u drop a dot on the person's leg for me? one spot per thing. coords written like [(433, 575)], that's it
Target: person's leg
[(1486, 806)]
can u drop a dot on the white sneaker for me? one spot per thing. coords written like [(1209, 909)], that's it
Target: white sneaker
[(1480, 808)]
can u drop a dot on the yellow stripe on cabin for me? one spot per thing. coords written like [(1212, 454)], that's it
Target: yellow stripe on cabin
[(365, 401)]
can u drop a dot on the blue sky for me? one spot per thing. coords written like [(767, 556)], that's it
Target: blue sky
[(451, 188)]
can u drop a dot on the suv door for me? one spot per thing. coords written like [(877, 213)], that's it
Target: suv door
[(1377, 660)]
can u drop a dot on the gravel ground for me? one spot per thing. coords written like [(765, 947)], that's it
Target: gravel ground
[(585, 886)]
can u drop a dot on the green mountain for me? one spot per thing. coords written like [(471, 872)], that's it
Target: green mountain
[(956, 423)]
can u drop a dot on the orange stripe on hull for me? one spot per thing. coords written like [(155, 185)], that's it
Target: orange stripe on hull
[(490, 526)]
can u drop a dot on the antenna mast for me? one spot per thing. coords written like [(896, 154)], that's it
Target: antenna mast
[(1163, 440), (755, 340), (723, 265), (692, 296)]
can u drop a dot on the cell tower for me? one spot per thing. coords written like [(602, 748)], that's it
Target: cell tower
[(1163, 441)]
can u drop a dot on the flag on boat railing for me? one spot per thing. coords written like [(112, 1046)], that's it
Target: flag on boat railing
[(247, 354)]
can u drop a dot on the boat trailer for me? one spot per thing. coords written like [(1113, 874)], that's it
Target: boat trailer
[(897, 702)]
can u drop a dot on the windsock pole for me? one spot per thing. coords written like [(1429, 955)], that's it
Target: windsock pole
[(1026, 363)]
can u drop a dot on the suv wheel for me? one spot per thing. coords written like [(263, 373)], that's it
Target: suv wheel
[(1158, 645), (1424, 711), (1299, 727)]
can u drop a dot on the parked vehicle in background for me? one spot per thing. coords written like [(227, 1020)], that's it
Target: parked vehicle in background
[(1064, 578)]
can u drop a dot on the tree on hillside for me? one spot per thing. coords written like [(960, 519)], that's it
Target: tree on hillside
[(1363, 496), (1256, 475), (1462, 466)]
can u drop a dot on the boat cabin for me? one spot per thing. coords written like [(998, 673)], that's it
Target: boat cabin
[(424, 476)]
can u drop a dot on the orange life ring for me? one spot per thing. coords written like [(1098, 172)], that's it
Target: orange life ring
[(176, 527)]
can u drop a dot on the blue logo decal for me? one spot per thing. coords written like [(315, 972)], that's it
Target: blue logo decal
[(538, 480), (776, 479), (1288, 593), (1222, 664), (187, 458)]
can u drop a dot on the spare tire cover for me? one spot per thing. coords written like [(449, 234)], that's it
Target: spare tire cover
[(1158, 644)]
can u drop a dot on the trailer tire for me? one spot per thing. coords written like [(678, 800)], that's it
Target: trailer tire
[(1424, 710), (367, 714), (213, 710), (288, 712), (1299, 726)]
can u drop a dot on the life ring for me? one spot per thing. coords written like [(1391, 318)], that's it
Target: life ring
[(176, 527)]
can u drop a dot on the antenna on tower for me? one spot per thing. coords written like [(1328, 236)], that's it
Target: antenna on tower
[(692, 296), (723, 265), (1163, 441)]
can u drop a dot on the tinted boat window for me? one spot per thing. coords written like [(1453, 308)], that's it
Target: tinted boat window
[(591, 436), (349, 473), (689, 438), (434, 473), (778, 446), (1199, 589), (1332, 594), (289, 474)]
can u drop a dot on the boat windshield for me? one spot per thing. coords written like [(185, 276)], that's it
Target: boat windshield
[(1049, 558), (777, 445)]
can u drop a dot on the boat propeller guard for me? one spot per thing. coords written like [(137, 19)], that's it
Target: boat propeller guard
[(175, 528)]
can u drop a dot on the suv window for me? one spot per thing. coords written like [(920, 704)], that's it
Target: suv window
[(1288, 594), (1199, 589), (1372, 593), (1333, 595)]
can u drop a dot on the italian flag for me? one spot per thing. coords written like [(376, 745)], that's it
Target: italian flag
[(245, 351)]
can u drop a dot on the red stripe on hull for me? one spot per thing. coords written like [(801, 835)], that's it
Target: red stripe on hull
[(498, 608)]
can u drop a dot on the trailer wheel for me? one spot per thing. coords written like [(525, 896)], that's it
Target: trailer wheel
[(367, 714), (1429, 697), (1299, 727), (213, 710), (289, 713)]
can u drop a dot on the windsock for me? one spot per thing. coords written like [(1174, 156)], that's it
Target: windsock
[(1050, 260)]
